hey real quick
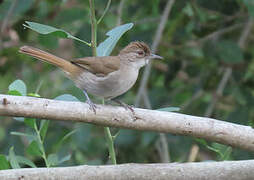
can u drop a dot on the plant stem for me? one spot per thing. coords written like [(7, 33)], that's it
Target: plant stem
[(104, 12), (110, 142), (41, 144), (93, 27), (108, 135)]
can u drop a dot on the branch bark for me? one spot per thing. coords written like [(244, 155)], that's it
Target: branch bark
[(233, 170), (141, 119)]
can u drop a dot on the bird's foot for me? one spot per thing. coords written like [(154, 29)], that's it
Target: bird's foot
[(92, 106), (126, 106)]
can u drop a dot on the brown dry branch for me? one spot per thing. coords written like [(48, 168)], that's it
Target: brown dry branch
[(141, 119)]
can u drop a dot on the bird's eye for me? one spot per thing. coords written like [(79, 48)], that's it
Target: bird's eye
[(141, 53)]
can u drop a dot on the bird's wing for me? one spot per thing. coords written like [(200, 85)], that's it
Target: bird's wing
[(100, 66)]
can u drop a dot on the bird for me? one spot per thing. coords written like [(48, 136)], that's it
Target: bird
[(105, 76)]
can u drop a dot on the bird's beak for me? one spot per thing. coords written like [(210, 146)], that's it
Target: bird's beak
[(154, 56)]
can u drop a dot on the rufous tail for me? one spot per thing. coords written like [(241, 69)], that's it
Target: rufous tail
[(65, 65)]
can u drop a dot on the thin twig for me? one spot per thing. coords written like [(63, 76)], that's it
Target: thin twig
[(196, 95), (6, 20), (154, 47), (214, 35), (104, 12), (119, 13), (8, 16), (162, 147), (142, 92), (193, 153)]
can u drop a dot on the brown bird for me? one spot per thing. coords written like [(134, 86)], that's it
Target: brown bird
[(106, 77)]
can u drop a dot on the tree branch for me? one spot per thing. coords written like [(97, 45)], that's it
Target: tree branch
[(233, 170), (142, 119)]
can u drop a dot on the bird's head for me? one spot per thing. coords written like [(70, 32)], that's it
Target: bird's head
[(138, 54)]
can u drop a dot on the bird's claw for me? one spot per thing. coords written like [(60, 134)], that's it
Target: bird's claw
[(92, 106)]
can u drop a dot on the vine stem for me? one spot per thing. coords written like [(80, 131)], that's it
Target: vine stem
[(110, 142), (104, 12), (93, 28), (109, 138), (41, 144)]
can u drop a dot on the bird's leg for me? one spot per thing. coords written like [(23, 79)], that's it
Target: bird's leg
[(91, 104), (126, 106)]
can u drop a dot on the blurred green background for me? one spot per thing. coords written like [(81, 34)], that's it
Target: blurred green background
[(203, 42)]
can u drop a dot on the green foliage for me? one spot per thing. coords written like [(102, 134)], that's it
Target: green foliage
[(18, 85), (4, 164), (13, 159), (229, 52), (223, 151), (106, 47), (45, 29), (34, 149)]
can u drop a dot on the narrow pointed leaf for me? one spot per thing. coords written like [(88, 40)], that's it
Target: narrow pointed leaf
[(24, 160), (13, 160), (52, 160), (34, 149), (65, 158), (45, 29), (23, 134), (44, 128), (106, 47), (30, 122)]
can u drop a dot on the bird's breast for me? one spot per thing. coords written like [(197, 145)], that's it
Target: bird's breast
[(110, 86)]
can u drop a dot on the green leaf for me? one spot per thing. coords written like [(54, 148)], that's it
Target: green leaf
[(34, 149), (14, 93), (43, 128), (65, 137), (214, 149), (106, 47), (224, 151), (4, 164), (52, 160), (66, 97), (229, 52), (24, 160), (65, 158), (18, 85), (201, 141), (13, 160), (30, 122), (33, 95), (45, 29), (169, 109), (23, 134)]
